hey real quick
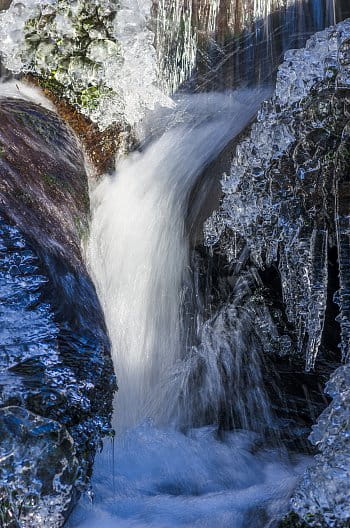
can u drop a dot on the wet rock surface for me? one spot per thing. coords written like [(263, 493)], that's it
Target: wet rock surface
[(57, 380), (54, 189), (101, 147)]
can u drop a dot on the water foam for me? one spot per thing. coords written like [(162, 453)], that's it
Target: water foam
[(162, 478)]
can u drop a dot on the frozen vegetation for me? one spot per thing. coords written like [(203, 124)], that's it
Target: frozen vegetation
[(91, 53)]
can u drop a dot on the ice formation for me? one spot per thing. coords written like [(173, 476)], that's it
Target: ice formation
[(54, 350), (273, 209), (34, 450), (92, 53), (286, 199), (323, 496)]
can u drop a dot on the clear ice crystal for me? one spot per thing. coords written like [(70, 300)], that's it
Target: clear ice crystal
[(38, 468), (322, 498), (32, 376), (342, 219), (28, 329), (95, 51)]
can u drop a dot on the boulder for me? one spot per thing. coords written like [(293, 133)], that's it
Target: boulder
[(57, 380)]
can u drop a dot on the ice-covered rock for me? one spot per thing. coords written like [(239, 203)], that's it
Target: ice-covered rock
[(286, 202), (57, 380), (38, 469), (322, 498), (280, 197)]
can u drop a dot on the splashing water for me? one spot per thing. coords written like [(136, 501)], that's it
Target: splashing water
[(165, 479), (158, 474)]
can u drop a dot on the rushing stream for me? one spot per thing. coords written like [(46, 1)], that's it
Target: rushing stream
[(158, 472), (161, 478)]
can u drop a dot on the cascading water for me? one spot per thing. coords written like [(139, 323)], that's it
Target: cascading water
[(139, 251), (162, 471), (222, 42)]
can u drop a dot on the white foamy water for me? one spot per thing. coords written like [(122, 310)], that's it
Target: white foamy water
[(156, 475), (139, 249), (21, 90), (161, 478)]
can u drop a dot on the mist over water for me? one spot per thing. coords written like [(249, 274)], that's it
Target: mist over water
[(158, 474)]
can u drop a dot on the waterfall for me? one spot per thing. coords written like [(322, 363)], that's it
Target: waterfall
[(220, 42), (169, 466), (196, 442), (139, 251)]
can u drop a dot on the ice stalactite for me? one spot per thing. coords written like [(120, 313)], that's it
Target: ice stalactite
[(342, 218)]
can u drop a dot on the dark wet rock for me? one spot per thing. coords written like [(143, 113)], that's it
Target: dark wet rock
[(101, 146), (52, 190), (292, 521), (5, 4), (55, 360)]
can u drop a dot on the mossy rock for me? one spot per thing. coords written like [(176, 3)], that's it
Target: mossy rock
[(100, 146)]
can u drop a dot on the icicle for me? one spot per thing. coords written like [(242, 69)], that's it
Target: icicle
[(274, 198), (318, 294), (342, 221)]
